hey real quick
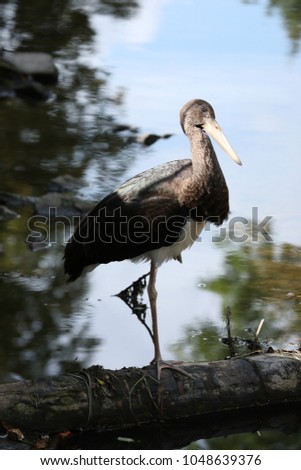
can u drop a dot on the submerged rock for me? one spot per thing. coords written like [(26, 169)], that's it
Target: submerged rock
[(39, 65), (23, 74), (54, 205), (59, 202)]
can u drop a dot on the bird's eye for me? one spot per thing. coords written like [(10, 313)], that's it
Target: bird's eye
[(204, 109)]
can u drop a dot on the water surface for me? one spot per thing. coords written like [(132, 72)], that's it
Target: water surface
[(137, 65)]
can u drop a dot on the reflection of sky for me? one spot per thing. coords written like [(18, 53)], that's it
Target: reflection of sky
[(236, 57)]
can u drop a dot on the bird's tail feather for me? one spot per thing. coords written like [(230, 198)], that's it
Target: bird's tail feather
[(74, 260)]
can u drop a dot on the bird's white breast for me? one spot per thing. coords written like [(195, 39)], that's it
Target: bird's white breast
[(188, 235)]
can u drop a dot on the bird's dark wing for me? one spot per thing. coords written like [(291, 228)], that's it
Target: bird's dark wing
[(142, 215), (158, 180)]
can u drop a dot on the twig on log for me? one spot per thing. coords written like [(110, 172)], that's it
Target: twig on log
[(257, 333), (229, 335)]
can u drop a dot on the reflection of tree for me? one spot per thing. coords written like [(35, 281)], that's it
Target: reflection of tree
[(262, 281), (259, 281), (81, 121), (73, 133), (291, 13), (38, 335), (201, 342), (53, 26)]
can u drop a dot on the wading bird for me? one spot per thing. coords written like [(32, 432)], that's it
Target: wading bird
[(158, 213)]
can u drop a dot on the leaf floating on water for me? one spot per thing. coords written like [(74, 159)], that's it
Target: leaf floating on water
[(16, 434), (290, 295), (125, 439), (42, 442)]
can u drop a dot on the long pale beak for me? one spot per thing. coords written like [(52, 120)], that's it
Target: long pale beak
[(214, 130)]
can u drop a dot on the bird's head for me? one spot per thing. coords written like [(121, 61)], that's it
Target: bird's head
[(198, 114)]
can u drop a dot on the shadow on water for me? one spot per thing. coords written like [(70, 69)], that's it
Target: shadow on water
[(261, 429)]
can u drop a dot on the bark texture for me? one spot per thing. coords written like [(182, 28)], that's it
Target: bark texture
[(101, 399)]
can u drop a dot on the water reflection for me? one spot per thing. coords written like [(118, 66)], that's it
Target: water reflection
[(264, 280), (291, 13), (81, 132), (64, 133), (133, 296), (259, 281), (38, 332), (71, 133)]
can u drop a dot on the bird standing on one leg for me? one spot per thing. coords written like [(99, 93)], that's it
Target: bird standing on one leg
[(159, 213)]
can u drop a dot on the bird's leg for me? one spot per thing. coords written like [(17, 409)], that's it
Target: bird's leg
[(152, 293)]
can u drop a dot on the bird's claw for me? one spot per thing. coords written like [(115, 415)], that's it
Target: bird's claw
[(172, 365)]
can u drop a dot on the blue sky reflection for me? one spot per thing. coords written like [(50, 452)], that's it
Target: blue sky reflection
[(237, 57)]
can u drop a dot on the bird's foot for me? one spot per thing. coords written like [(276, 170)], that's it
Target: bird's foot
[(172, 365)]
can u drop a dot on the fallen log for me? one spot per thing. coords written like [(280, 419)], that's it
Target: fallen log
[(96, 398)]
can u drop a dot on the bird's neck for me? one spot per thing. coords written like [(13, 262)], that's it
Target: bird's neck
[(205, 170), (204, 161)]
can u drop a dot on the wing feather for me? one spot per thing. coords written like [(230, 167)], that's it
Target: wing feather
[(141, 215)]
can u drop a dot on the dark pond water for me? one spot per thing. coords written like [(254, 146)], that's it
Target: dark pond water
[(135, 64)]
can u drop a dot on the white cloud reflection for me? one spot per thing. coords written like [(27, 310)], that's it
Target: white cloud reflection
[(135, 31)]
